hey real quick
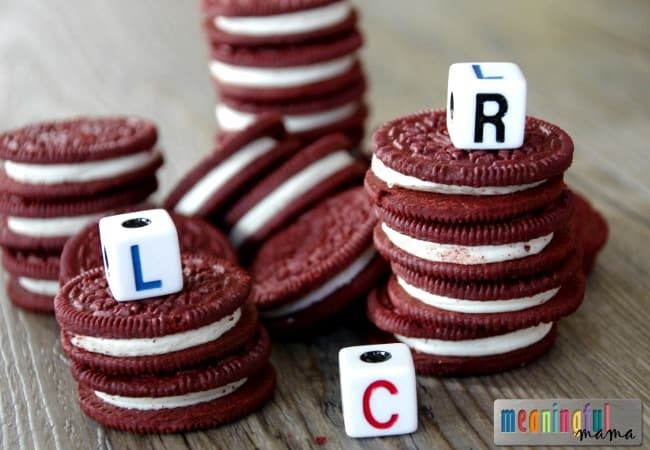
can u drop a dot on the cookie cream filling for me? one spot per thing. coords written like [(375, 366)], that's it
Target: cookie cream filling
[(230, 119), (157, 345), (40, 287), (493, 345), (394, 178), (51, 226), (288, 192), (216, 178), (173, 401), (466, 254), (78, 172), (288, 23), (476, 306), (340, 280), (280, 77)]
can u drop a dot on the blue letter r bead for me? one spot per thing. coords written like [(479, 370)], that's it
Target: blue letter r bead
[(140, 284)]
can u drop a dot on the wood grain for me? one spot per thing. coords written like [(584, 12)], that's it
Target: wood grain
[(588, 66)]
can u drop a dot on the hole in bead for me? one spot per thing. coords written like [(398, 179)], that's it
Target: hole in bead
[(105, 258), (137, 222), (375, 356)]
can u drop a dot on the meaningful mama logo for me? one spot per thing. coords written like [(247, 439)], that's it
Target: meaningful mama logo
[(568, 422)]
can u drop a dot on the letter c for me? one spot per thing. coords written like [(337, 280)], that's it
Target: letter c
[(367, 412)]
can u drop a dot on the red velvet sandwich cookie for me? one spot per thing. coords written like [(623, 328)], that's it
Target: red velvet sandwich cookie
[(42, 265), (474, 251), (305, 120), (82, 252), (422, 205), (553, 253), (455, 354), (481, 297), (417, 172), (32, 224), (263, 23), (591, 231), (211, 395), (318, 265), (283, 72), (25, 295), (77, 157), (209, 318), (232, 169), (409, 315), (33, 280), (457, 366), (317, 171)]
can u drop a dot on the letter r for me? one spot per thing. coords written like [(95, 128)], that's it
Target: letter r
[(367, 411), (480, 119)]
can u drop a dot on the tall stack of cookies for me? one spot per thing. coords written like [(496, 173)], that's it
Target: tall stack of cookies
[(298, 59), (482, 245), (57, 177), (177, 362)]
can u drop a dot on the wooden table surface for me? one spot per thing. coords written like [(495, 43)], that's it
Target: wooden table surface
[(588, 68)]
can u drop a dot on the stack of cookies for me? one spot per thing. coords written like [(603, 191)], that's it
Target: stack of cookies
[(178, 362), (57, 177), (482, 245), (259, 179), (299, 59)]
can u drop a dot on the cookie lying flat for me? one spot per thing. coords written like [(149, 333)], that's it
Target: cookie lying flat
[(214, 394), (457, 208), (77, 157), (82, 251), (28, 264), (46, 224), (520, 247), (306, 120), (417, 172), (25, 295), (272, 22), (287, 72), (592, 231), (317, 171), (401, 313), (318, 265), (426, 294), (560, 247), (456, 366), (209, 318), (453, 354), (34, 279), (232, 168)]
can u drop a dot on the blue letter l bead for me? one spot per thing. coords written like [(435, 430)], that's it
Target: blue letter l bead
[(140, 284), (480, 76)]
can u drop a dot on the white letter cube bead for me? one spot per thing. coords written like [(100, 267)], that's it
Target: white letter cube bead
[(142, 257), (378, 390), (486, 105)]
